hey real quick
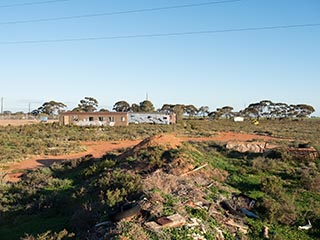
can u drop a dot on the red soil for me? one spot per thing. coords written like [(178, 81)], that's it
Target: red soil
[(98, 149)]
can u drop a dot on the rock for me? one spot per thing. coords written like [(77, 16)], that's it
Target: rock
[(254, 147)]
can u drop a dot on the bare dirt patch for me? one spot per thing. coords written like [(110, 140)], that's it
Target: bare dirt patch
[(99, 148), (17, 122), (96, 149), (13, 122)]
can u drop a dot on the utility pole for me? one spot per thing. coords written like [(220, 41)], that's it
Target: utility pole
[(147, 97), (1, 105), (28, 113)]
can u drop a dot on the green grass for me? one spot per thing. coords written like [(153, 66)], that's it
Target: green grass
[(32, 224)]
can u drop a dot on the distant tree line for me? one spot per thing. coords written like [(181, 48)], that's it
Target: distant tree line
[(269, 110), (264, 109)]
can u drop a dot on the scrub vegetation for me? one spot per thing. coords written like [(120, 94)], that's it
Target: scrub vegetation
[(82, 198)]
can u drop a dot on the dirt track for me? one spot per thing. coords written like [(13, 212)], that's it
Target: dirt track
[(98, 149)]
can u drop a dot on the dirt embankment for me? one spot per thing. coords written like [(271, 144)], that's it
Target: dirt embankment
[(98, 149), (11, 122)]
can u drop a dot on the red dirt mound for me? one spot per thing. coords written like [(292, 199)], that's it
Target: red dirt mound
[(166, 141)]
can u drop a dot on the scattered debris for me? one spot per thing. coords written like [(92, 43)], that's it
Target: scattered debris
[(104, 230), (172, 221), (226, 205), (197, 236), (163, 221), (127, 211), (195, 170), (266, 232), (308, 153), (241, 227), (240, 205), (249, 214), (194, 222), (153, 226), (106, 223), (306, 227), (304, 145), (219, 235), (244, 201)]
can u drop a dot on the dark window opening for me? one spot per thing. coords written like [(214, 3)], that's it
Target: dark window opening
[(111, 119)]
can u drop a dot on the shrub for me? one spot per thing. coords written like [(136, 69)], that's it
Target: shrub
[(118, 185), (50, 236)]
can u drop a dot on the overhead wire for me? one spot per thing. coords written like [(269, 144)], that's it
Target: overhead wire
[(157, 35), (93, 15), (32, 3)]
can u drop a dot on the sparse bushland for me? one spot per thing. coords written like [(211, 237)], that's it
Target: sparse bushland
[(18, 143), (75, 195)]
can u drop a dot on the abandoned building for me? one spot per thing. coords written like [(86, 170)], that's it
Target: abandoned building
[(94, 118), (153, 118), (114, 118)]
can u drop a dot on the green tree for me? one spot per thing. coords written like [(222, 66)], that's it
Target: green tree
[(50, 108), (268, 109), (135, 108), (88, 104), (178, 109), (214, 115), (35, 112), (303, 110), (146, 106), (190, 110), (224, 112), (121, 106), (227, 112), (203, 110), (252, 111), (167, 108)]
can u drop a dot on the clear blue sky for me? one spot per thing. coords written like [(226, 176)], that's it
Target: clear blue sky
[(235, 68)]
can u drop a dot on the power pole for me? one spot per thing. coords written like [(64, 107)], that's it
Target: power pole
[(147, 97), (28, 113), (2, 105)]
